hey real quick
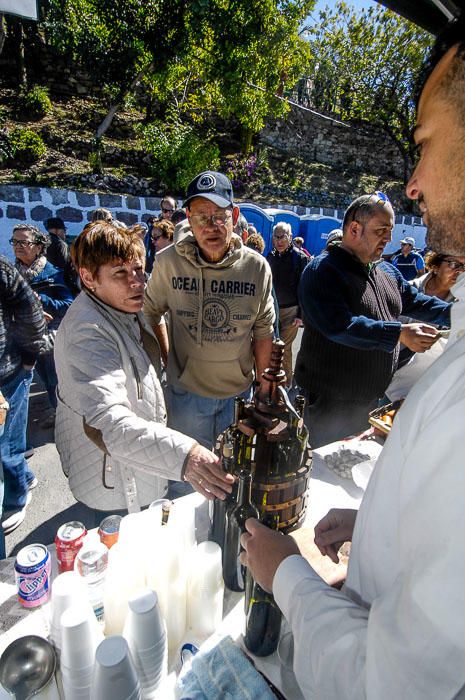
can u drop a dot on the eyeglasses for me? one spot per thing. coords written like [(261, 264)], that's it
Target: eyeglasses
[(219, 219), (167, 211), (283, 237), (455, 265), (21, 244)]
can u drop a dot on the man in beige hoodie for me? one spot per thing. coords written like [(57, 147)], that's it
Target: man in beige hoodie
[(218, 293)]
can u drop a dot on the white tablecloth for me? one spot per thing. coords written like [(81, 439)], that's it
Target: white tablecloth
[(327, 490)]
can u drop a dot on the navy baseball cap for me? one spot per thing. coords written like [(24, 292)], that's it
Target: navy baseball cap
[(213, 186)]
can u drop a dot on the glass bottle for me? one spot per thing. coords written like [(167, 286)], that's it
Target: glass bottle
[(263, 617), (220, 507), (233, 571)]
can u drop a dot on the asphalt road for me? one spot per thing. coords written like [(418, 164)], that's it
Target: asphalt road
[(52, 502)]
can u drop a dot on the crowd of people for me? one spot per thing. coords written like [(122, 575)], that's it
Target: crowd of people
[(143, 337)]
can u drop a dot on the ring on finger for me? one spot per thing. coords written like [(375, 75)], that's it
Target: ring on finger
[(200, 482)]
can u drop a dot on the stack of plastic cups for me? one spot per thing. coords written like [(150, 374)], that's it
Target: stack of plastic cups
[(206, 590), (124, 576), (80, 637), (114, 676), (145, 634), (67, 589)]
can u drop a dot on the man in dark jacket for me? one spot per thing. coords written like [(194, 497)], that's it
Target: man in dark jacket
[(58, 252), (351, 305), (22, 331), (287, 263)]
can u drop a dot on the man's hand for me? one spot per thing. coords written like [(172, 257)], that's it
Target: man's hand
[(204, 473), (418, 336), (264, 550), (333, 530), (298, 322)]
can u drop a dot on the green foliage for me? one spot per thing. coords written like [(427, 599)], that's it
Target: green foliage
[(200, 57), (364, 66), (178, 153), (95, 156), (35, 103), (26, 146)]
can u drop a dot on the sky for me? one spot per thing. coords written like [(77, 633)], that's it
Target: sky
[(358, 4)]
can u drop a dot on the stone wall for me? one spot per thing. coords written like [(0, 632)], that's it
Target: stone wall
[(313, 138), (35, 204)]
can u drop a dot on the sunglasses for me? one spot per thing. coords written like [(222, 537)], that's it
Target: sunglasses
[(455, 265), (381, 197), (167, 211)]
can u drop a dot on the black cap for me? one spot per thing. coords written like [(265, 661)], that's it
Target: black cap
[(213, 186), (54, 222)]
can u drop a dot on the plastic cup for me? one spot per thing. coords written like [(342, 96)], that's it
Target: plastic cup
[(114, 677), (79, 639), (67, 589), (144, 627)]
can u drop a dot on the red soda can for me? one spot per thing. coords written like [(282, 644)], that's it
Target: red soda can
[(32, 575), (68, 542)]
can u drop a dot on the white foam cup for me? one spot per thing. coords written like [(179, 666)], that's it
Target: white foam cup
[(67, 589), (144, 626), (79, 637), (115, 676)]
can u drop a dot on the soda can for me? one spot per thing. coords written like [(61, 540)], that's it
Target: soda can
[(68, 542), (109, 530), (32, 575)]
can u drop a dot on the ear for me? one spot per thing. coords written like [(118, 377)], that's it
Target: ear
[(235, 216), (87, 277), (353, 229)]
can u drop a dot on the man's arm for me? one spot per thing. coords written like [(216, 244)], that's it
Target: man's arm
[(418, 305), (420, 265), (28, 327), (329, 629), (322, 296), (161, 335), (262, 354)]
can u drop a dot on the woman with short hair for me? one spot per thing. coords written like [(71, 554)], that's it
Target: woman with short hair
[(111, 429), (442, 273)]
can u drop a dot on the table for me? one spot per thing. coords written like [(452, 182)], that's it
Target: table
[(327, 490)]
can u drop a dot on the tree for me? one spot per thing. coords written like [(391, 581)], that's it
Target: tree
[(118, 41), (223, 56), (365, 66)]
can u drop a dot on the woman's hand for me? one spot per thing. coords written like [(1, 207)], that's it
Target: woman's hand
[(204, 473), (333, 530)]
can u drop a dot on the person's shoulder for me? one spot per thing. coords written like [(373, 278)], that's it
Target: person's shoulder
[(50, 270)]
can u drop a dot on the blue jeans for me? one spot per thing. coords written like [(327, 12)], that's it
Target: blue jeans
[(200, 417), (16, 472), (45, 366), (2, 536)]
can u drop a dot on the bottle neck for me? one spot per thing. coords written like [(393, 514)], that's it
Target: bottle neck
[(244, 489)]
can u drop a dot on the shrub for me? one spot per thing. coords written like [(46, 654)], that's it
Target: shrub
[(178, 153), (35, 103), (26, 146)]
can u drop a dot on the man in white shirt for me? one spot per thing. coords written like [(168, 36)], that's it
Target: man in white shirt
[(396, 628)]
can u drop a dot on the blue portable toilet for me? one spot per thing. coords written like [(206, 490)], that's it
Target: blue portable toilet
[(260, 219), (289, 217), (314, 229)]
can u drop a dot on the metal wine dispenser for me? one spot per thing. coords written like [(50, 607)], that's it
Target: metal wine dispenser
[(267, 444), (268, 438)]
